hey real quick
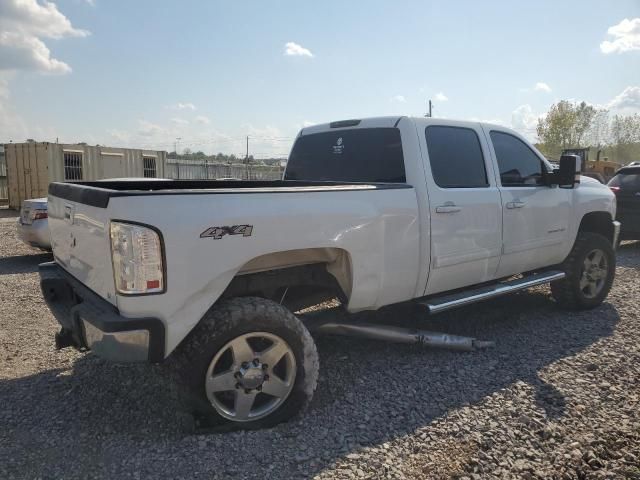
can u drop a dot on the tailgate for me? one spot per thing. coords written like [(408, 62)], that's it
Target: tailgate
[(81, 244)]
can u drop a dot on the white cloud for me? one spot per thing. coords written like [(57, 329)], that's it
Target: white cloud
[(399, 99), (308, 123), (121, 137), (32, 18), (23, 24), (542, 87), (525, 121), (441, 97), (203, 120), (295, 50), (626, 37), (20, 52), (182, 106), (179, 121), (148, 129), (12, 126), (267, 141), (4, 86), (627, 102)]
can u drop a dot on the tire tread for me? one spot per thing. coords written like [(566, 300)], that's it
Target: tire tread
[(564, 291)]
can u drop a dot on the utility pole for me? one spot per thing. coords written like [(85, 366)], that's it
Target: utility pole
[(246, 160), (428, 114)]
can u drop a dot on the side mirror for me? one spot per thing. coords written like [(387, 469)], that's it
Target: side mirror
[(568, 175)]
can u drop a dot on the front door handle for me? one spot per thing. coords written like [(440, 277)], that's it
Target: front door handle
[(448, 207), (515, 204)]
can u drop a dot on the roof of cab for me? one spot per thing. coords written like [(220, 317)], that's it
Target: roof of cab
[(386, 122)]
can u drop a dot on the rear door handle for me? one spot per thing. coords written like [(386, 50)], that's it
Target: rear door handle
[(448, 208), (515, 204)]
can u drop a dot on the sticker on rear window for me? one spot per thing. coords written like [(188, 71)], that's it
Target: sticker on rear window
[(338, 147)]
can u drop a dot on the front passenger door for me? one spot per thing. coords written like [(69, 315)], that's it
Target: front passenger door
[(535, 216)]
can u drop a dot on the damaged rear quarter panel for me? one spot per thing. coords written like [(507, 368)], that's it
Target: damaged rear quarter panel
[(379, 230)]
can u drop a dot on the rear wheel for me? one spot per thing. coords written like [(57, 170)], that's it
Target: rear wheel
[(250, 363), (590, 270)]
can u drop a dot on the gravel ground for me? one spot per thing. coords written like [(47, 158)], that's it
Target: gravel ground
[(558, 397)]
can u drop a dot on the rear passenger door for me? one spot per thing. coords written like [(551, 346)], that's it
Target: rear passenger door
[(465, 213)]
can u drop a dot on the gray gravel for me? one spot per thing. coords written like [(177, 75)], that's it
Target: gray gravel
[(559, 397)]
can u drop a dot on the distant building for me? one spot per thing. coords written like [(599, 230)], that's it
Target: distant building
[(31, 166)]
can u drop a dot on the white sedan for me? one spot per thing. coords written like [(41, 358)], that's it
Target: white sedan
[(33, 223)]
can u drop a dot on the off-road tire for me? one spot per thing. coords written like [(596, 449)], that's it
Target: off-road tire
[(567, 292), (225, 321)]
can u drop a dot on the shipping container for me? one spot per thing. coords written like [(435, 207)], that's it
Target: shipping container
[(31, 166)]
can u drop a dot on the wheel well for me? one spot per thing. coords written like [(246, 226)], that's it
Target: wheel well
[(598, 222), (295, 278)]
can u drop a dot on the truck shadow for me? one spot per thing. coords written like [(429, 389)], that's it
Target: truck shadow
[(9, 213), (23, 263), (628, 255), (368, 393)]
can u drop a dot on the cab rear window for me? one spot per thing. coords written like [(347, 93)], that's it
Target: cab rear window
[(372, 155)]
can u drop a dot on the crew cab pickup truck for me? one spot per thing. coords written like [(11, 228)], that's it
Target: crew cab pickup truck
[(375, 212)]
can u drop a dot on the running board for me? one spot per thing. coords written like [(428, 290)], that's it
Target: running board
[(447, 302)]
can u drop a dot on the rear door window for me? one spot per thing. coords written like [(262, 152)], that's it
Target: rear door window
[(371, 155), (456, 157)]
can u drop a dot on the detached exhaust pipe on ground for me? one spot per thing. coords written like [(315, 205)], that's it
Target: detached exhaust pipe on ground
[(395, 334)]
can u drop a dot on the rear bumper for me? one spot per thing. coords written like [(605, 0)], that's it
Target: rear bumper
[(630, 228), (90, 322), (616, 232), (36, 234)]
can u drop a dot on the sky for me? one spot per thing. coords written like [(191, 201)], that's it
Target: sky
[(144, 73)]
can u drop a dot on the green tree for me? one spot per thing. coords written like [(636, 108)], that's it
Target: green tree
[(565, 125), (625, 138), (625, 130), (598, 133)]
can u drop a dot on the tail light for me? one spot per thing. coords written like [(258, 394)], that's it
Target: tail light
[(614, 189), (39, 214), (136, 253)]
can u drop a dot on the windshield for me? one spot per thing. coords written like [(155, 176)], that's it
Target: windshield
[(356, 155)]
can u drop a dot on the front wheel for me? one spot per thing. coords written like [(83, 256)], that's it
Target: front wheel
[(250, 363), (590, 270)]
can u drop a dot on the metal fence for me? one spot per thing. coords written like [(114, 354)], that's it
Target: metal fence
[(201, 170), (4, 189)]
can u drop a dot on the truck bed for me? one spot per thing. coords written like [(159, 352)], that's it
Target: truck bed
[(97, 194), (368, 233)]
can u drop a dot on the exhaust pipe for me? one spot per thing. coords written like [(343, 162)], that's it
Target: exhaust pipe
[(400, 335)]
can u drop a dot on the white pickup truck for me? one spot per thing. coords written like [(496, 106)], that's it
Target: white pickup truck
[(374, 212)]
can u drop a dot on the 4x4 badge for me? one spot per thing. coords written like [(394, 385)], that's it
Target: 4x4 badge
[(218, 232)]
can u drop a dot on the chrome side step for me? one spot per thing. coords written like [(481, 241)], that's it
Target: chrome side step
[(447, 302)]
